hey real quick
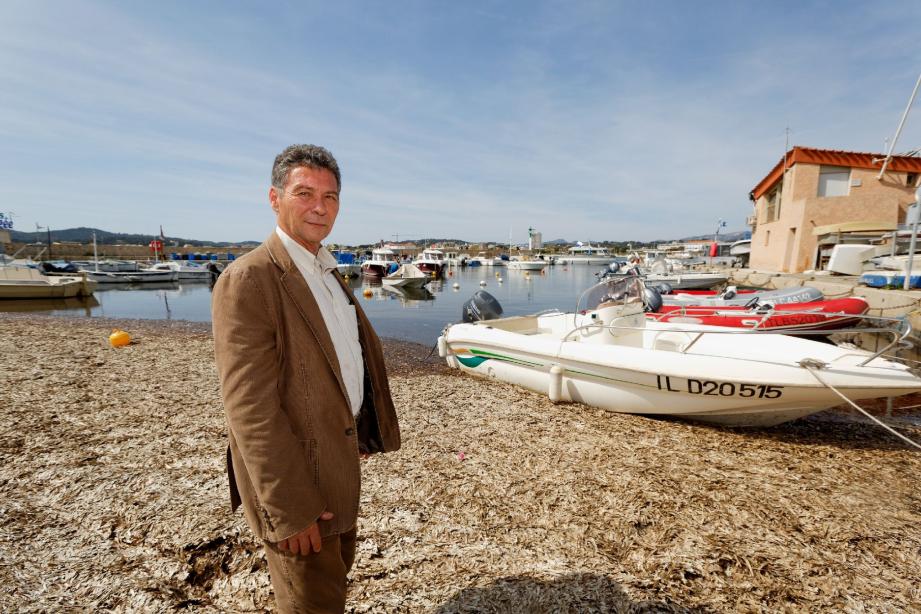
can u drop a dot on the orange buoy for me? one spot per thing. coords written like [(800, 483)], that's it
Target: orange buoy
[(119, 338), (368, 293)]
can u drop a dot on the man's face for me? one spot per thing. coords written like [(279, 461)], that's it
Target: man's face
[(308, 205)]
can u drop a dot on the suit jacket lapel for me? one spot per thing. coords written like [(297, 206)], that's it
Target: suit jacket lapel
[(297, 289)]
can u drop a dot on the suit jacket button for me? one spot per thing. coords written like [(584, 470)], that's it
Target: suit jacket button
[(349, 431)]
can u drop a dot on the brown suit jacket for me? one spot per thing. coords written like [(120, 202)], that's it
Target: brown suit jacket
[(294, 443)]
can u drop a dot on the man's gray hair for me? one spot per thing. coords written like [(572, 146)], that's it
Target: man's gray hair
[(311, 156)]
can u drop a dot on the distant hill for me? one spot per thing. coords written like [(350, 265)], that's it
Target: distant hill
[(103, 237)]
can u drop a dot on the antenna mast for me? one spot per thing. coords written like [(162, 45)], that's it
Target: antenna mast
[(898, 131)]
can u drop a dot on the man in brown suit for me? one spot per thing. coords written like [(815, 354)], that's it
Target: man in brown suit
[(304, 388)]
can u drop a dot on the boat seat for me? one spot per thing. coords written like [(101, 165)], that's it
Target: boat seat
[(671, 341)]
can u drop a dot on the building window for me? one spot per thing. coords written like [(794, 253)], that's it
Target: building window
[(911, 179), (767, 238), (772, 205), (834, 180)]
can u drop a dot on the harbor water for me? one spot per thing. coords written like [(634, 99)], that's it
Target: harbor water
[(410, 315)]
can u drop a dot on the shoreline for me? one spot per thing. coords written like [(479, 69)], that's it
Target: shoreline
[(115, 494)]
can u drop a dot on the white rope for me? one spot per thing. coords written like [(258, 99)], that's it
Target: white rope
[(812, 370)]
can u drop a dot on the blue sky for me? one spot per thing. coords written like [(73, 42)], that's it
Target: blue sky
[(585, 120)]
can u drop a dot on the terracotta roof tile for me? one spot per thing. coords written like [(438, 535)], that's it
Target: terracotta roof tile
[(835, 157)]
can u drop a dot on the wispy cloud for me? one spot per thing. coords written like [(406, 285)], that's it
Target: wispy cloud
[(587, 121)]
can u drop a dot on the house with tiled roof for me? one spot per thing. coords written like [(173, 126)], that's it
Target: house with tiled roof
[(813, 194)]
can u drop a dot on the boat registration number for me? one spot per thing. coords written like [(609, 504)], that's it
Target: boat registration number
[(721, 389)]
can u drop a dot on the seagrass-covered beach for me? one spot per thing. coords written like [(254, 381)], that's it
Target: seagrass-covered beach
[(114, 495)]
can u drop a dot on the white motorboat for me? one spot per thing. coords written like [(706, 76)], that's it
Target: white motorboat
[(527, 265), (408, 276), (609, 356), (378, 265), (586, 254), (108, 266), (25, 282), (135, 277), (188, 271)]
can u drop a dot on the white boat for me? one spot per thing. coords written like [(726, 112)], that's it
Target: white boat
[(527, 265), (431, 261), (346, 263), (408, 276), (586, 254), (188, 271), (609, 356), (136, 277), (108, 266), (379, 263), (484, 260), (25, 282)]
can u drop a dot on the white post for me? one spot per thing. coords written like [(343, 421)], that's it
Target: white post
[(95, 253), (898, 130), (913, 213)]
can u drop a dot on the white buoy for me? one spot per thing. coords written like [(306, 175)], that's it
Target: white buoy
[(499, 280), (456, 286), (483, 283)]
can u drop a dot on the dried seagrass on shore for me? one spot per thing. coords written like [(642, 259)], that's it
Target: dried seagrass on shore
[(113, 495)]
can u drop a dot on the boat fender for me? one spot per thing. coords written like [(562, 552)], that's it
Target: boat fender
[(442, 347), (614, 266), (481, 306), (652, 300), (556, 384)]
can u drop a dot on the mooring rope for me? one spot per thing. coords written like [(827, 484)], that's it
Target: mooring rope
[(812, 368)]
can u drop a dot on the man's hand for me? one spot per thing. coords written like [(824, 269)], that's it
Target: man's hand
[(309, 538)]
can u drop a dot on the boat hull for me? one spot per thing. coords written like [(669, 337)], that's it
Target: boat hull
[(527, 265), (136, 277), (431, 268), (714, 381), (789, 318)]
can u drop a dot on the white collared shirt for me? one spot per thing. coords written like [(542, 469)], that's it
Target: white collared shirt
[(338, 313)]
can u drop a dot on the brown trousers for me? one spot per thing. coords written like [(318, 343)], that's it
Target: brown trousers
[(314, 583)]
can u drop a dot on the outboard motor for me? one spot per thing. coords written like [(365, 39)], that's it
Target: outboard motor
[(481, 306), (652, 300), (662, 287)]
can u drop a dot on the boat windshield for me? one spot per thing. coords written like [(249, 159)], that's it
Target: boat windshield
[(620, 290)]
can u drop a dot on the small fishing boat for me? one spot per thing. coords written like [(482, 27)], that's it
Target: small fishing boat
[(408, 276), (606, 354), (788, 318)]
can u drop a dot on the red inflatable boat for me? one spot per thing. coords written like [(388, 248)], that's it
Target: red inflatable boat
[(792, 317)]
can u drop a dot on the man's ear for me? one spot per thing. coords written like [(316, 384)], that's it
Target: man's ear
[(273, 198)]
